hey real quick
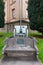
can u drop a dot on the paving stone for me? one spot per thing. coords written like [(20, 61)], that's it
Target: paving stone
[(17, 61)]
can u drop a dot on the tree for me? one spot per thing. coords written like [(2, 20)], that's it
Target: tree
[(35, 14), (2, 14)]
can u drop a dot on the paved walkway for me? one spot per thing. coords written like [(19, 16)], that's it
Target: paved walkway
[(18, 61)]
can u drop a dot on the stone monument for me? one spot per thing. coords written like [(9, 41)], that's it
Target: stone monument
[(20, 44)]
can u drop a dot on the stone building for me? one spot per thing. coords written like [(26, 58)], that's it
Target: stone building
[(15, 10)]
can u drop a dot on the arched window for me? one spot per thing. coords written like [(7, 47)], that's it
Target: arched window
[(13, 13), (26, 2), (26, 13)]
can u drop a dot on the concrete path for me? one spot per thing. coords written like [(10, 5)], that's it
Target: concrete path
[(18, 61)]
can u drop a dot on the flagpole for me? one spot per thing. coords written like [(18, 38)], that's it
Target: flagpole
[(20, 15)]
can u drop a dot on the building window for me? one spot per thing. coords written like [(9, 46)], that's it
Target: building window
[(13, 13), (10, 25), (26, 13), (13, 26), (26, 2), (13, 1)]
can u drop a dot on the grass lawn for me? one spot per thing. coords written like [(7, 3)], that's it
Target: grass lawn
[(37, 35), (4, 36), (39, 38)]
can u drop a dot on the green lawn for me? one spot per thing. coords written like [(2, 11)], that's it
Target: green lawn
[(39, 38), (37, 35), (4, 36)]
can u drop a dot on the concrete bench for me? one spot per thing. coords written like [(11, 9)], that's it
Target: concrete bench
[(20, 46)]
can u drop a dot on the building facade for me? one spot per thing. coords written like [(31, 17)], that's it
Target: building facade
[(15, 10)]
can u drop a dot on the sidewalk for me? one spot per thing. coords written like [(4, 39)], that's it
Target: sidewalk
[(19, 61)]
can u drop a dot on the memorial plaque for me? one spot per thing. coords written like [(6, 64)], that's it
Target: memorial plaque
[(20, 41)]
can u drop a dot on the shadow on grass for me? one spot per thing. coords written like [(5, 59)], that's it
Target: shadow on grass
[(1, 35), (37, 36)]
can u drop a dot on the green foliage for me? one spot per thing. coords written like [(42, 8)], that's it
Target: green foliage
[(2, 14), (5, 35), (35, 14), (39, 44)]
